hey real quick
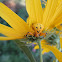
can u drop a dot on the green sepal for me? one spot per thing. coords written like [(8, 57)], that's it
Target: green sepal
[(56, 29), (51, 38)]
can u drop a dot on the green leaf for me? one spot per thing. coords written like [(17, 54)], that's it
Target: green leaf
[(26, 50)]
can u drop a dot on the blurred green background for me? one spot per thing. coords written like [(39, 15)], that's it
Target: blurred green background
[(9, 51)]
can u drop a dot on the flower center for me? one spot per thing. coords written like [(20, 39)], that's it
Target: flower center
[(50, 36)]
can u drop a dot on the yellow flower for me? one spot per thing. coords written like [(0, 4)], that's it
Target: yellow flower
[(49, 17)]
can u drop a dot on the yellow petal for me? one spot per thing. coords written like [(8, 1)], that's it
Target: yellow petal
[(57, 18), (45, 50), (59, 27), (43, 42), (34, 10), (34, 43), (59, 1), (61, 42), (7, 31), (13, 19), (8, 38), (56, 52), (49, 12), (36, 47)]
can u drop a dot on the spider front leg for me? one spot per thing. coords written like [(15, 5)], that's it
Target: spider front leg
[(43, 34), (29, 33)]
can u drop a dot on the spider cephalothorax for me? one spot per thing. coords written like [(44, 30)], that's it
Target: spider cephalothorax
[(38, 28)]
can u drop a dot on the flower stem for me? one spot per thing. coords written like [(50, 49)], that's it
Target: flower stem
[(55, 60), (40, 51), (58, 47)]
